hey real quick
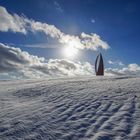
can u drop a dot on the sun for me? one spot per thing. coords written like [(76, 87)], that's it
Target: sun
[(70, 51)]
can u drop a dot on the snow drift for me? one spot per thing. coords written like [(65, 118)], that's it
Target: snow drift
[(70, 109)]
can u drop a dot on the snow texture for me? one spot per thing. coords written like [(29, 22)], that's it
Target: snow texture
[(86, 108)]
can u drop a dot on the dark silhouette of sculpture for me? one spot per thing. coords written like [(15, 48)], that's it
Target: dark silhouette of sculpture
[(99, 65)]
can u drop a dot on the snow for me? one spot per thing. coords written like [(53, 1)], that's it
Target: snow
[(85, 108)]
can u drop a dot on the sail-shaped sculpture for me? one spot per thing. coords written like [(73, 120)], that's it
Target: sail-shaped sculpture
[(99, 65)]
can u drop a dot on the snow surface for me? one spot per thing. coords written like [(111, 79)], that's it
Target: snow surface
[(86, 108)]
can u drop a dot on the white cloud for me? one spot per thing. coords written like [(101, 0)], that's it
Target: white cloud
[(21, 24), (10, 22), (115, 63), (93, 41), (15, 63), (134, 67), (84, 41), (42, 45), (131, 69)]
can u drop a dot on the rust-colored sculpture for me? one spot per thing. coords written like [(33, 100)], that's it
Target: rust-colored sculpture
[(99, 65)]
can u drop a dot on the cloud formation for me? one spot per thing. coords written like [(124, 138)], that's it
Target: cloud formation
[(115, 63), (16, 23), (15, 63), (10, 22), (131, 69), (18, 64)]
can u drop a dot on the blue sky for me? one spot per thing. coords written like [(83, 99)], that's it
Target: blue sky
[(115, 21)]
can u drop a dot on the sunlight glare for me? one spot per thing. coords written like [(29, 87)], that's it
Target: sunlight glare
[(70, 51)]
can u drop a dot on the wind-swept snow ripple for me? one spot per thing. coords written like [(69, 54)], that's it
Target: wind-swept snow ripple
[(70, 109)]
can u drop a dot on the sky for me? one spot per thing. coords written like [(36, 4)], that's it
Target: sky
[(68, 32)]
